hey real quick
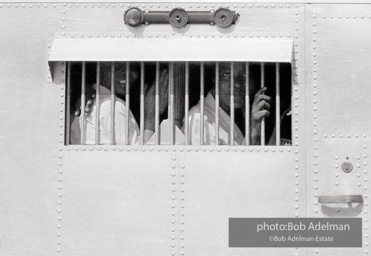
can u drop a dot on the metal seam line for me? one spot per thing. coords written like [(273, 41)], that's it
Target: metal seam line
[(97, 93), (68, 105), (262, 81), (278, 111), (113, 104), (247, 105), (82, 107), (217, 103), (157, 105), (142, 103), (186, 107), (202, 70), (127, 103), (232, 105)]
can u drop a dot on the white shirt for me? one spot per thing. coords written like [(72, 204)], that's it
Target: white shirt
[(194, 118), (105, 115)]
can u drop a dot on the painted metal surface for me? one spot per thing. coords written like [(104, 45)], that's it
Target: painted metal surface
[(170, 50), (339, 112), (97, 200)]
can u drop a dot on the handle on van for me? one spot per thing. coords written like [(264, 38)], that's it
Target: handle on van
[(340, 199)]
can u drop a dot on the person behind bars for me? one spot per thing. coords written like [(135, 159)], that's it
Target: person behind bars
[(105, 107), (260, 109)]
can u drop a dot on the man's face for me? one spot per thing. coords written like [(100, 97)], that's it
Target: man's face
[(120, 77), (239, 84)]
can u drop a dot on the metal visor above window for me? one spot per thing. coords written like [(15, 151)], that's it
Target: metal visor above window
[(171, 50)]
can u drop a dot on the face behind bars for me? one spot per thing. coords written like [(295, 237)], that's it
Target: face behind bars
[(225, 85), (119, 77)]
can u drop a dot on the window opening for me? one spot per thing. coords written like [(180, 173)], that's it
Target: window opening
[(178, 103)]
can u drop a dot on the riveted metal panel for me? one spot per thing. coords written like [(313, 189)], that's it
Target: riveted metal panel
[(339, 116), (116, 201), (225, 183), (29, 131), (88, 195)]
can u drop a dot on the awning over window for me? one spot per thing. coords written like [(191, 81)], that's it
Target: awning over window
[(231, 49)]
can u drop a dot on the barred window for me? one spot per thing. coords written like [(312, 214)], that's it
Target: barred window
[(178, 103)]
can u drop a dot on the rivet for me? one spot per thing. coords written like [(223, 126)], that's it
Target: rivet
[(315, 171)]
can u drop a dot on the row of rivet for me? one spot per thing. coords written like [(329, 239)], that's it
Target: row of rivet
[(346, 17), (296, 129), (154, 5), (315, 115), (119, 35), (343, 136), (282, 149), (60, 171), (182, 206), (63, 19), (173, 206), (29, 5)]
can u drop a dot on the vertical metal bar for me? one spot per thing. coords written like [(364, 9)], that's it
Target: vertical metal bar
[(247, 105), (278, 110), (68, 105), (127, 103), (142, 103), (262, 83), (97, 109), (186, 104), (113, 104), (232, 105), (217, 103), (172, 135), (82, 107), (202, 89), (157, 104)]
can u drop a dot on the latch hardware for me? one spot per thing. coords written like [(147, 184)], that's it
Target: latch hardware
[(340, 199), (179, 17)]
